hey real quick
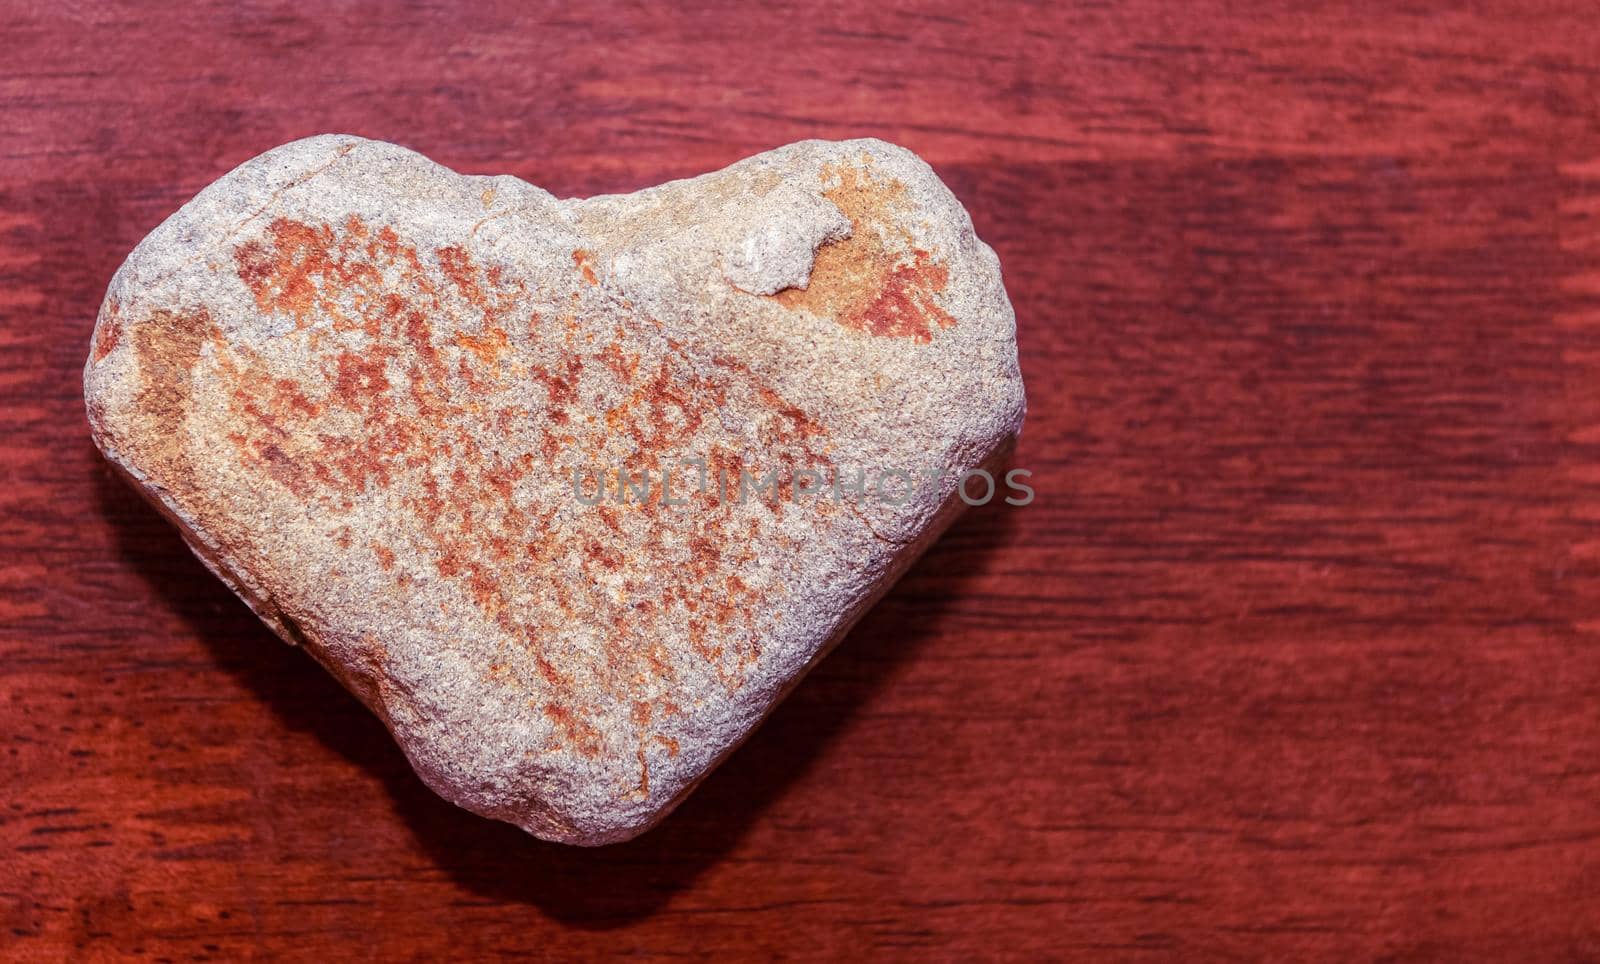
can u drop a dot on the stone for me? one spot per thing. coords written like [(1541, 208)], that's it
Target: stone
[(569, 493)]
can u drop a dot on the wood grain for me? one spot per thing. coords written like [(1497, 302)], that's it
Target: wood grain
[(1294, 656)]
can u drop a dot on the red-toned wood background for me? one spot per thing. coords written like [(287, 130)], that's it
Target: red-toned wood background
[(1296, 653)]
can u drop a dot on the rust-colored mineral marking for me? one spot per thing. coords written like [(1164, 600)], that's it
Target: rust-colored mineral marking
[(417, 402), (169, 344), (584, 261), (873, 281), (107, 334)]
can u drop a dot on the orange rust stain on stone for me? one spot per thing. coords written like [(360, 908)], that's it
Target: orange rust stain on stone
[(584, 261), (904, 303), (360, 383), (288, 396), (562, 388), (622, 363), (458, 266), (580, 735), (605, 555), (310, 269), (415, 414), (487, 347), (802, 424), (283, 468), (419, 335), (168, 345), (874, 281), (108, 334), (284, 279)]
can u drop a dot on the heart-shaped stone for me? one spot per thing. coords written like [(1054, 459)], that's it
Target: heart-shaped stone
[(569, 493)]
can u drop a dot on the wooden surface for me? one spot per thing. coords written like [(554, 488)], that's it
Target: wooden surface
[(1295, 655)]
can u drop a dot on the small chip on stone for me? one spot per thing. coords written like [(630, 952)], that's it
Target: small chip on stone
[(570, 493)]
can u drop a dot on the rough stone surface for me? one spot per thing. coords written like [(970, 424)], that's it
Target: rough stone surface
[(361, 385)]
